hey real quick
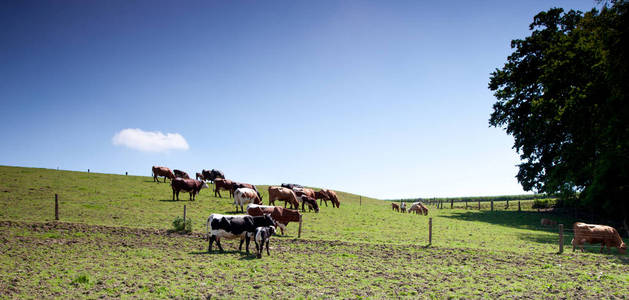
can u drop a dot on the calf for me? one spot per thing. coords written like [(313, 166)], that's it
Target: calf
[(607, 236), (261, 236), (181, 174), (232, 227), (395, 207), (187, 185), (244, 196), (311, 202), (281, 216), (162, 171)]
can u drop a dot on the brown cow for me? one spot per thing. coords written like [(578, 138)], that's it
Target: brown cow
[(311, 202), (200, 176), (282, 216), (418, 208), (181, 174), (223, 184), (597, 234), (304, 191), (395, 207), (333, 198), (162, 171), (548, 222), (322, 196), (212, 174), (237, 185), (187, 185), (283, 194)]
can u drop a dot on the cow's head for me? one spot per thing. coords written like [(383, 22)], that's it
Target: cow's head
[(622, 248), (205, 186), (268, 220)]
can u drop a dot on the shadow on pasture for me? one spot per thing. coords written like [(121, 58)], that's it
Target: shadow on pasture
[(513, 219)]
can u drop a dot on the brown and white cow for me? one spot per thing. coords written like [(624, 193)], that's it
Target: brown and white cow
[(282, 216), (187, 185), (607, 236), (244, 196), (162, 171), (418, 208), (237, 185), (283, 194), (223, 184), (181, 174)]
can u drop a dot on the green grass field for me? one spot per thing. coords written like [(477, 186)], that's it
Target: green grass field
[(112, 241)]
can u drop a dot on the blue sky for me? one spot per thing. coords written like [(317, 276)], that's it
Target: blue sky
[(386, 99)]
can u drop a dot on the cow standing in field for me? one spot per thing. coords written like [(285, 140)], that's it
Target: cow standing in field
[(237, 185), (292, 186), (212, 175), (403, 207), (181, 174), (244, 196), (283, 194), (187, 185), (418, 208), (262, 236), (333, 198), (311, 202), (395, 207), (234, 226), (322, 196), (607, 236), (223, 184), (282, 216), (162, 171)]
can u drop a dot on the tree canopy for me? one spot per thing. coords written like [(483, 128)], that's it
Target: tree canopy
[(562, 96)]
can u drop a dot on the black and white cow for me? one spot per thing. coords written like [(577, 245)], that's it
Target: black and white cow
[(234, 226), (261, 236)]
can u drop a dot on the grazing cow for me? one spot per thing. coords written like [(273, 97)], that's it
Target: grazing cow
[(548, 222), (187, 185), (333, 198), (283, 194), (292, 186), (232, 227), (322, 196), (244, 196), (162, 171), (181, 174), (212, 175), (261, 236), (597, 234), (418, 208), (237, 185), (282, 216), (311, 202), (223, 184), (200, 176), (403, 207), (395, 207)]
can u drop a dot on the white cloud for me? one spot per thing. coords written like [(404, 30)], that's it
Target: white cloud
[(149, 141)]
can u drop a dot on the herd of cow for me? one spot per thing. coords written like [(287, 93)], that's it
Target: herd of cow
[(416, 207), (261, 220)]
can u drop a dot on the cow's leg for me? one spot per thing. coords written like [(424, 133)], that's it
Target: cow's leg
[(218, 243), (240, 246), (247, 242), (257, 247), (573, 247), (302, 206), (173, 195), (164, 179), (212, 239), (326, 202), (267, 246)]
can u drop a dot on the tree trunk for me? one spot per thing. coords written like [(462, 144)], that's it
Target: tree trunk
[(624, 222)]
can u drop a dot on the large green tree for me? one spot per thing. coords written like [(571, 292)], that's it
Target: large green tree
[(562, 94)]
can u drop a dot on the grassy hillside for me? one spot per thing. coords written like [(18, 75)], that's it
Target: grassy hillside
[(357, 250)]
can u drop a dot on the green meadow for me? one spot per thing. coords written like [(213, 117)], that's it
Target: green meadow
[(113, 241)]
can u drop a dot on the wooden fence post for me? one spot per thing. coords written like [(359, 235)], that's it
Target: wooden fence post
[(560, 238), (465, 203), (507, 204), (300, 220), (519, 207), (184, 216), (478, 204), (452, 203), (430, 231), (492, 204), (361, 200), (56, 207)]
